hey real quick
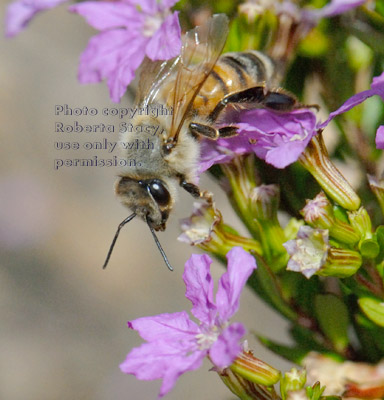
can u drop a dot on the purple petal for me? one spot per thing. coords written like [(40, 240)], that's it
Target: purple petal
[(199, 287), (166, 42), (106, 15), (180, 366), (240, 266), (212, 153), (335, 7), (161, 360), (349, 104), (113, 55), (149, 7), (226, 348), (284, 153), (101, 56), (165, 4), (378, 85), (19, 13), (124, 74), (377, 88), (177, 328), (380, 137), (278, 138)]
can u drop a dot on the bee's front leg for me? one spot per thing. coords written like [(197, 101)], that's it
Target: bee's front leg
[(195, 191)]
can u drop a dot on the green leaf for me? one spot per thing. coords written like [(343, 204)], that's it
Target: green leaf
[(332, 315), (306, 339), (366, 330), (373, 309)]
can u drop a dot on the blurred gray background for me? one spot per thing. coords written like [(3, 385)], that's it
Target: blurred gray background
[(63, 329)]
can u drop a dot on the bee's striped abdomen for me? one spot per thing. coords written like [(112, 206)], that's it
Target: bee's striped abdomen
[(233, 72)]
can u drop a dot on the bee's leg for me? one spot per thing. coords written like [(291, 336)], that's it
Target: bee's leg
[(195, 191), (212, 133), (259, 95), (252, 95), (191, 188), (228, 131), (204, 130)]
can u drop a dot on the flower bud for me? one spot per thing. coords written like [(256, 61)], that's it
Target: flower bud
[(311, 254), (361, 222), (293, 380), (244, 389), (250, 378), (255, 370), (205, 228), (318, 213), (341, 263), (316, 160)]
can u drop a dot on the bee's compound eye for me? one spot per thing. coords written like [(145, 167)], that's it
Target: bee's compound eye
[(159, 192)]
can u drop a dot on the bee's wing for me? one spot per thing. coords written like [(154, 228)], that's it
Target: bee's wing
[(152, 77), (202, 47)]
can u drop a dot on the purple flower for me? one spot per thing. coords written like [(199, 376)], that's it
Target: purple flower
[(380, 137), (131, 30), (19, 13), (335, 7), (175, 343), (309, 251), (377, 88), (277, 138)]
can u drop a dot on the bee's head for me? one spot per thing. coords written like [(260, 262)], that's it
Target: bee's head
[(148, 198)]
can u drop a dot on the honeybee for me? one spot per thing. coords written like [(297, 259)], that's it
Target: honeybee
[(202, 89)]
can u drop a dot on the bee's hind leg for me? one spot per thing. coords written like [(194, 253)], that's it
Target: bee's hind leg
[(260, 96), (210, 132)]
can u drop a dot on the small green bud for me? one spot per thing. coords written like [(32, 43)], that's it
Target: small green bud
[(341, 263), (254, 370), (361, 221), (292, 381), (244, 389), (318, 213), (250, 378)]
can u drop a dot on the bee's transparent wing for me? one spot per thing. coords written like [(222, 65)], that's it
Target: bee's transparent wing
[(202, 47), (153, 75)]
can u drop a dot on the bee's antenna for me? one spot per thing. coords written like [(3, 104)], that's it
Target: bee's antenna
[(159, 246), (116, 236)]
